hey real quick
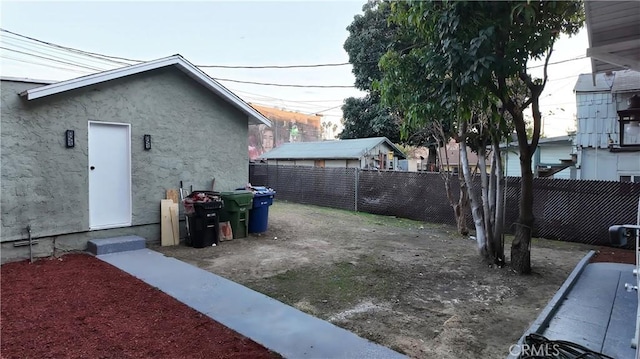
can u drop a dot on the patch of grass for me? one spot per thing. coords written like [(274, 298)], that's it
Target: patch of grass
[(330, 287), (369, 218), (393, 221), (548, 243)]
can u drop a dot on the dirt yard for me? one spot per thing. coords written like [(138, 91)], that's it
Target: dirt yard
[(415, 287)]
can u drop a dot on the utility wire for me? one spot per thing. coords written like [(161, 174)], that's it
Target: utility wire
[(558, 62), (105, 57), (281, 99), (102, 56), (276, 66), (54, 60), (58, 52), (329, 109), (217, 79), (84, 72), (59, 57), (283, 85)]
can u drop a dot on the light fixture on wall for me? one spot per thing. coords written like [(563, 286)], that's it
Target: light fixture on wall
[(70, 138), (147, 142)]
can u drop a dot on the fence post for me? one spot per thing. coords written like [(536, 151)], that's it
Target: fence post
[(357, 177)]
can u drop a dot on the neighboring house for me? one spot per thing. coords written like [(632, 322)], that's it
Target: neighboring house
[(288, 126), (449, 157), (424, 159), (418, 160), (553, 159), (607, 139), (75, 163), (365, 153)]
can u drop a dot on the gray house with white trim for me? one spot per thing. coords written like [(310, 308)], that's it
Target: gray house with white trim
[(92, 157)]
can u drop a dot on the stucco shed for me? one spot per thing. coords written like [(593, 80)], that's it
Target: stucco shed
[(366, 153), (74, 162)]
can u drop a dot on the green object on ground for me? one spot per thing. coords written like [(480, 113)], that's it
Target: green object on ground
[(236, 211)]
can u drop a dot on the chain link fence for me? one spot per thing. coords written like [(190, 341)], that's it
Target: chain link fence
[(567, 210), (327, 187)]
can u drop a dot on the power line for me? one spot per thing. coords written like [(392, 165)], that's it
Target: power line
[(56, 51), (285, 100), (70, 48), (45, 65), (276, 66), (57, 56), (109, 57), (218, 79), (54, 60), (102, 56), (329, 109), (283, 85), (558, 62), (301, 107)]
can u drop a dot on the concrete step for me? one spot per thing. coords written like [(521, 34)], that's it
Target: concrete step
[(116, 244)]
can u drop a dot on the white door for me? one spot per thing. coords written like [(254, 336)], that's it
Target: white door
[(109, 175)]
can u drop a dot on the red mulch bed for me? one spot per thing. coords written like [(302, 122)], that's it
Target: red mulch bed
[(614, 255), (80, 307)]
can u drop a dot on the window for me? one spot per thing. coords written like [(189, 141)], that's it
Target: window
[(630, 178), (630, 123)]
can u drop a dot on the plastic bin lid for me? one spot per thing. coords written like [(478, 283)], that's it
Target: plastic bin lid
[(239, 193)]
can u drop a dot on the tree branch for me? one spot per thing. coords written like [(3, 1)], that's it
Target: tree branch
[(546, 63)]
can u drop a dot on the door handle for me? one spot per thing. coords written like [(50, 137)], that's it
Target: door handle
[(92, 168)]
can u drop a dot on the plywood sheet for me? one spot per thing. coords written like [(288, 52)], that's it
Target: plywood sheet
[(173, 209), (166, 229), (173, 195)]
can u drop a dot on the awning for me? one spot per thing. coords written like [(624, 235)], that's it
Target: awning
[(614, 35)]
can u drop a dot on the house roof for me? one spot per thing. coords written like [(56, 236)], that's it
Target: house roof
[(176, 60), (618, 81), (626, 81), (341, 149), (26, 80), (614, 35), (546, 141)]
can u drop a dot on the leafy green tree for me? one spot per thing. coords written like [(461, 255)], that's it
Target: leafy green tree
[(370, 36), (367, 117), (468, 68)]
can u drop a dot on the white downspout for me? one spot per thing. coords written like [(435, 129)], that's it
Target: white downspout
[(597, 158)]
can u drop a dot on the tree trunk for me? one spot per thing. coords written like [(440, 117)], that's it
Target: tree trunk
[(520, 248), (459, 210), (498, 226), (486, 195), (476, 204), (462, 207)]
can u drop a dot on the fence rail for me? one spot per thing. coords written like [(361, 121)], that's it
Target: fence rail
[(567, 210)]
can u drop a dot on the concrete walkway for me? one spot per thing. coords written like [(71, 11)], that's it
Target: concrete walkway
[(275, 325)]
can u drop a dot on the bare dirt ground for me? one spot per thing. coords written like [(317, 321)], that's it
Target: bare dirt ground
[(415, 287)]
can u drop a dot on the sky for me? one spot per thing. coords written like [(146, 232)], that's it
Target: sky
[(239, 33)]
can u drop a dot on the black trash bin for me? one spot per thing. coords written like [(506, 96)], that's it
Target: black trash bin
[(202, 210)]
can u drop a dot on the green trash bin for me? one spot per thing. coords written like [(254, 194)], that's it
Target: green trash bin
[(236, 211)]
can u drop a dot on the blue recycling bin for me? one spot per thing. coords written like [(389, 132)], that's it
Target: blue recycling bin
[(259, 213)]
